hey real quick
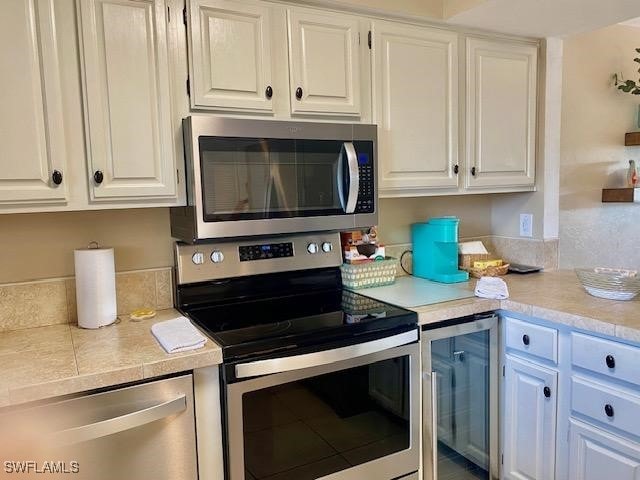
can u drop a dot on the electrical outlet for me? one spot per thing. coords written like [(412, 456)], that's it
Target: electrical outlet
[(526, 225)]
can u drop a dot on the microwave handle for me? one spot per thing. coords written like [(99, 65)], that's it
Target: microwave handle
[(325, 357), (348, 150)]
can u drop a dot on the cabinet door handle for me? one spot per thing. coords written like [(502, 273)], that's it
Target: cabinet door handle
[(473, 171), (299, 93), (608, 410), (56, 177), (525, 339), (456, 169), (547, 392), (269, 92), (611, 361), (98, 177)]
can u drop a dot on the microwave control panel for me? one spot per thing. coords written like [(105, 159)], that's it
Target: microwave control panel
[(366, 192)]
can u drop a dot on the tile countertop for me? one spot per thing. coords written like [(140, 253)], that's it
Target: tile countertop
[(45, 362), (555, 296)]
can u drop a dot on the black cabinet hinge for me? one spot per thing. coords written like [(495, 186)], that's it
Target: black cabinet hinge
[(188, 87), (184, 15), (168, 14), (503, 370), (369, 39)]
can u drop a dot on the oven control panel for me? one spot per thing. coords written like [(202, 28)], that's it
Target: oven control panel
[(217, 260), (265, 251)]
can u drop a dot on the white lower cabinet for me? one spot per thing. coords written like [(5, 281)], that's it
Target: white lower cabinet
[(598, 455), (530, 411)]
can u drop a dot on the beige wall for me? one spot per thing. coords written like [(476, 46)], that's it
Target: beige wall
[(40, 245), (595, 118), (397, 215)]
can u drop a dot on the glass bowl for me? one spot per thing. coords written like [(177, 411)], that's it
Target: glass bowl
[(610, 283)]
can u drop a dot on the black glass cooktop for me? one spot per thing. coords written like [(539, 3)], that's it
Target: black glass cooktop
[(262, 320)]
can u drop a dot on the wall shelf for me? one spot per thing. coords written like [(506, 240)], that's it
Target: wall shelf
[(621, 195), (632, 139)]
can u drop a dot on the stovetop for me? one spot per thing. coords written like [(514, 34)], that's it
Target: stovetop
[(271, 314)]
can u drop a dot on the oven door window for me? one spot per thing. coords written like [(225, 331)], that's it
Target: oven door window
[(254, 178), (310, 428)]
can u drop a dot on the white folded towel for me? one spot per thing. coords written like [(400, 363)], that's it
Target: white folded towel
[(178, 335), (492, 287)]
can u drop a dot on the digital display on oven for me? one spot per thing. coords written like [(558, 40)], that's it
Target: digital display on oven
[(265, 251)]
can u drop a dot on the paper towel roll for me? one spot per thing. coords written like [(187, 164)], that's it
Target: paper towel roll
[(95, 287)]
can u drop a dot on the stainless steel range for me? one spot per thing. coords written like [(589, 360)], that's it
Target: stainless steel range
[(317, 381)]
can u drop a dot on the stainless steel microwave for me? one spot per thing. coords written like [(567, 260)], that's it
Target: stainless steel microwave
[(265, 177)]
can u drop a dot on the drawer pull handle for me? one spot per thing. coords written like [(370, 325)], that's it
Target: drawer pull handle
[(611, 361), (547, 392), (525, 339), (608, 409)]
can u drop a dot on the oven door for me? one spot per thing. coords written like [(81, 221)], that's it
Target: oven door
[(349, 419), (259, 177)]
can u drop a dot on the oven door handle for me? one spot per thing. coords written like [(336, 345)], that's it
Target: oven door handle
[(348, 204), (325, 357)]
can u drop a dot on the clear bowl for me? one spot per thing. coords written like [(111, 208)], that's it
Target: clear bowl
[(610, 283)]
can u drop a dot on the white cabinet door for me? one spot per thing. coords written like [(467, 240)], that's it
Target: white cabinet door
[(529, 420), (127, 100), (597, 455), (501, 114), (230, 55), (415, 71), (32, 143), (324, 62)]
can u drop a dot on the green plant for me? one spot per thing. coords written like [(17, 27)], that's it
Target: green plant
[(630, 86)]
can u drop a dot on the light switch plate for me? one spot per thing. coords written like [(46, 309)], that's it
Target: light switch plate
[(526, 225)]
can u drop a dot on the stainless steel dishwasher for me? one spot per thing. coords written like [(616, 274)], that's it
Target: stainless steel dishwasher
[(139, 432)]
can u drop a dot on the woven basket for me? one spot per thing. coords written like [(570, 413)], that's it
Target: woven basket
[(489, 271), (466, 260), (367, 275)]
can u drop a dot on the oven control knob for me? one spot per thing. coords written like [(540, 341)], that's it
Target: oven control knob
[(217, 256), (327, 247), (198, 258), (312, 248)]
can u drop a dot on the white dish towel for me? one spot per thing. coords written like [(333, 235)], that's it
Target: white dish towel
[(178, 335), (492, 287)]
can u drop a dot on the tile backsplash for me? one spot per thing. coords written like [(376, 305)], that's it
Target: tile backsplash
[(53, 301)]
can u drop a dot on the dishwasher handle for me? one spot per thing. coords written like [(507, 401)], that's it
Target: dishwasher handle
[(119, 424)]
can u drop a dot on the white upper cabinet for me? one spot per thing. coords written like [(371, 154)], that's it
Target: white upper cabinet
[(230, 55), (32, 141), (501, 113), (529, 420), (127, 102), (325, 52), (415, 75)]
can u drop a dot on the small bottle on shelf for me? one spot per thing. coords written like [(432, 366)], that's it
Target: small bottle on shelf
[(632, 175)]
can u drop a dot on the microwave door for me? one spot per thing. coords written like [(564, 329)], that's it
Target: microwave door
[(348, 177)]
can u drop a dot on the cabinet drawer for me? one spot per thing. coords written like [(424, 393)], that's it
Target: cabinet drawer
[(606, 405), (532, 339), (613, 359)]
